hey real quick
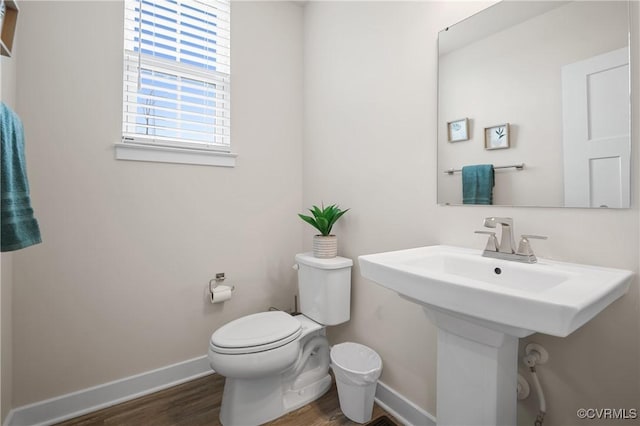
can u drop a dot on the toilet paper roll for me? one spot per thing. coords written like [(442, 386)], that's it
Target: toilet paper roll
[(220, 294)]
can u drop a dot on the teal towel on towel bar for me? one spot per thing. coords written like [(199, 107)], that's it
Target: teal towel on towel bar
[(18, 226), (477, 184)]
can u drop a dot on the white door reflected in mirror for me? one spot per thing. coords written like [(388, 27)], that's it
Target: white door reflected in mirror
[(596, 131)]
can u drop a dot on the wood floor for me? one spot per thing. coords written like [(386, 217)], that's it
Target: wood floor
[(197, 403)]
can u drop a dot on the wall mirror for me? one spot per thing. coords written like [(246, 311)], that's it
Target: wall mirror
[(541, 91)]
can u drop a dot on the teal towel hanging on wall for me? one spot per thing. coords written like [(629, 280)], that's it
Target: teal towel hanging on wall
[(18, 226), (477, 184)]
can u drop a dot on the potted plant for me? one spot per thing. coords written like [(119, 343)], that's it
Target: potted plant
[(325, 245)]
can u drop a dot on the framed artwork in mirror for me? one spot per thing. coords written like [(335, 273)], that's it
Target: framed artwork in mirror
[(458, 130), (496, 137)]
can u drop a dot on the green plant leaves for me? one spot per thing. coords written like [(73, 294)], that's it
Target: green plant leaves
[(311, 221), (324, 218), (323, 225)]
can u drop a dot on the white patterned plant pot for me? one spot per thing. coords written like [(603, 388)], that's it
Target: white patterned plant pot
[(325, 247)]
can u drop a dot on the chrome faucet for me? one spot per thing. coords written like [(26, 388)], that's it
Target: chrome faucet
[(507, 243), (506, 249)]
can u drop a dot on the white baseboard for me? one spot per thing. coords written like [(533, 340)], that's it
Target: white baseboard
[(76, 404), (401, 408), (61, 408)]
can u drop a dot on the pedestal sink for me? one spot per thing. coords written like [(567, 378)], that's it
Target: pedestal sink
[(481, 307)]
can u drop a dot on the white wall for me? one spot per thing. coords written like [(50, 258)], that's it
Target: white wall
[(514, 77), (370, 132), (6, 334), (117, 286)]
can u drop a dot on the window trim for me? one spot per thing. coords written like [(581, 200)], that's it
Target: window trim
[(164, 154)]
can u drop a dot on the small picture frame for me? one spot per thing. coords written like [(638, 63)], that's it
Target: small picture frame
[(496, 137), (458, 130)]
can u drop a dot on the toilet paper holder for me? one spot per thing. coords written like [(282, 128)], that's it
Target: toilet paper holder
[(215, 282)]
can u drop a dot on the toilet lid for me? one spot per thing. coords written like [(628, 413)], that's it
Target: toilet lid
[(255, 333)]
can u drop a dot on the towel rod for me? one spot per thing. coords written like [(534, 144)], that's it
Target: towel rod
[(516, 166)]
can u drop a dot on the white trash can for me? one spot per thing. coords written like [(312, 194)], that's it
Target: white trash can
[(357, 369)]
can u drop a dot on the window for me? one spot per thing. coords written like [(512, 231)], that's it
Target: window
[(176, 77)]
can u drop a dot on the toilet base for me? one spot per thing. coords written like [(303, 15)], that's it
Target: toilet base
[(253, 402), (296, 398)]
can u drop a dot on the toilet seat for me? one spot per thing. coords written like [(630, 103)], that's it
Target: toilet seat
[(256, 333)]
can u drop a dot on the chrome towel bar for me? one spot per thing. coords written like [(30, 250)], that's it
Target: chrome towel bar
[(515, 166)]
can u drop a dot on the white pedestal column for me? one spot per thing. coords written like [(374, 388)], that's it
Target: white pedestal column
[(477, 374)]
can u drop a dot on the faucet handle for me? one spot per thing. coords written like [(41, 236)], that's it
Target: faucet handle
[(492, 243), (524, 248)]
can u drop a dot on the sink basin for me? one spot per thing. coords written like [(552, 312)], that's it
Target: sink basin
[(481, 307), (519, 299)]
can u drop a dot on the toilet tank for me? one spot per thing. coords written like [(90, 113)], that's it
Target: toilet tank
[(324, 288)]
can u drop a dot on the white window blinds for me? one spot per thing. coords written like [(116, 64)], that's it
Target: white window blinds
[(177, 73)]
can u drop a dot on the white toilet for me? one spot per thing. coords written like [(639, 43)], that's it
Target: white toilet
[(275, 363)]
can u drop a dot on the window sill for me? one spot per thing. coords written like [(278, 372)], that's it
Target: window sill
[(162, 154)]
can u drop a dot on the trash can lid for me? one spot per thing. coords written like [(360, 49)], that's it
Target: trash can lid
[(355, 358)]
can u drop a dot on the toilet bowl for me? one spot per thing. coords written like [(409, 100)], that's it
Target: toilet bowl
[(274, 363), (263, 384), (268, 345)]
